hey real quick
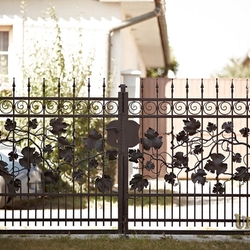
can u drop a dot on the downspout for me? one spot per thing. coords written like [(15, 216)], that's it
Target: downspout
[(164, 41), (129, 22)]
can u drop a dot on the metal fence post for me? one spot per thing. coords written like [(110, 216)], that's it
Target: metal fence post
[(123, 162)]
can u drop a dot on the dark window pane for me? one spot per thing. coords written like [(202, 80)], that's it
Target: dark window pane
[(4, 40)]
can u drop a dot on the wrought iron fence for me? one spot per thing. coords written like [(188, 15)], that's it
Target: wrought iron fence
[(172, 160)]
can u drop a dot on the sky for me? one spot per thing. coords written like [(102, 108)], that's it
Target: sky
[(205, 34)]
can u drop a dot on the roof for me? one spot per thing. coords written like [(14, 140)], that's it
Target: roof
[(150, 35)]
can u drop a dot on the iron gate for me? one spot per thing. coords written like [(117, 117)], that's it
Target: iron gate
[(173, 160)]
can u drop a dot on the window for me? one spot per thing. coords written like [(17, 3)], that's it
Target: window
[(4, 53)]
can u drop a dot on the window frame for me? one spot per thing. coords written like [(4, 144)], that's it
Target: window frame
[(8, 28)]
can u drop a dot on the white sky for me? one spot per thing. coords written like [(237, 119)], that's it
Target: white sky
[(204, 34)]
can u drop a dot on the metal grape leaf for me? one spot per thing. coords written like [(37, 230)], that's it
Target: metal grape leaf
[(237, 158), (33, 124), (228, 127), (51, 177), (138, 182), (182, 136), (199, 176), (191, 126), (13, 156), (66, 154), (10, 125), (211, 127), (94, 141), (149, 165), (242, 174), (244, 132), (198, 149), (29, 157), (103, 184), (134, 155), (17, 184), (93, 163), (152, 140), (58, 126), (216, 164), (179, 159), (48, 149), (170, 178), (78, 175), (218, 188), (112, 154), (62, 141)]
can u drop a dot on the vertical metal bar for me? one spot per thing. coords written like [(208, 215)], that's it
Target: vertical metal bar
[(202, 125), (44, 144), (225, 210), (65, 207), (232, 170), (13, 118), (247, 141), (122, 162), (73, 141), (157, 163), (164, 204), (28, 170), (103, 160), (209, 205), (172, 150), (142, 129), (88, 176), (217, 149), (187, 181), (149, 206), (195, 205), (180, 196), (59, 113)]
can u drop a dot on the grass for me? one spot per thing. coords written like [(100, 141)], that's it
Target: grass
[(67, 202), (70, 201), (14, 242)]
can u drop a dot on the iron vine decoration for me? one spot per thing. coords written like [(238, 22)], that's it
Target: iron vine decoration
[(42, 142), (190, 138)]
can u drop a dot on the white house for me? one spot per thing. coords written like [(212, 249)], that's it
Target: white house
[(120, 36)]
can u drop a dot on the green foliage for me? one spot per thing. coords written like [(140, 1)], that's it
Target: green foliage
[(58, 59), (50, 55), (235, 69)]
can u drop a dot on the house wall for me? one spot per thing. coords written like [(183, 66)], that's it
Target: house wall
[(94, 18)]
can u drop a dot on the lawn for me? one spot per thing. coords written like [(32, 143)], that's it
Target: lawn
[(22, 242)]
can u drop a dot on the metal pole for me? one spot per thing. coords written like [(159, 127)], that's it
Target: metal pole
[(123, 162)]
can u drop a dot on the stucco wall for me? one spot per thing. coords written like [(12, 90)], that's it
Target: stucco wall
[(94, 18)]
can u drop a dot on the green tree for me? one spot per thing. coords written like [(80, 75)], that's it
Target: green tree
[(235, 69), (46, 56)]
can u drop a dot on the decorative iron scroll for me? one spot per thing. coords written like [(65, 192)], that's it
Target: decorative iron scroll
[(175, 107), (52, 149), (51, 106), (214, 151)]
